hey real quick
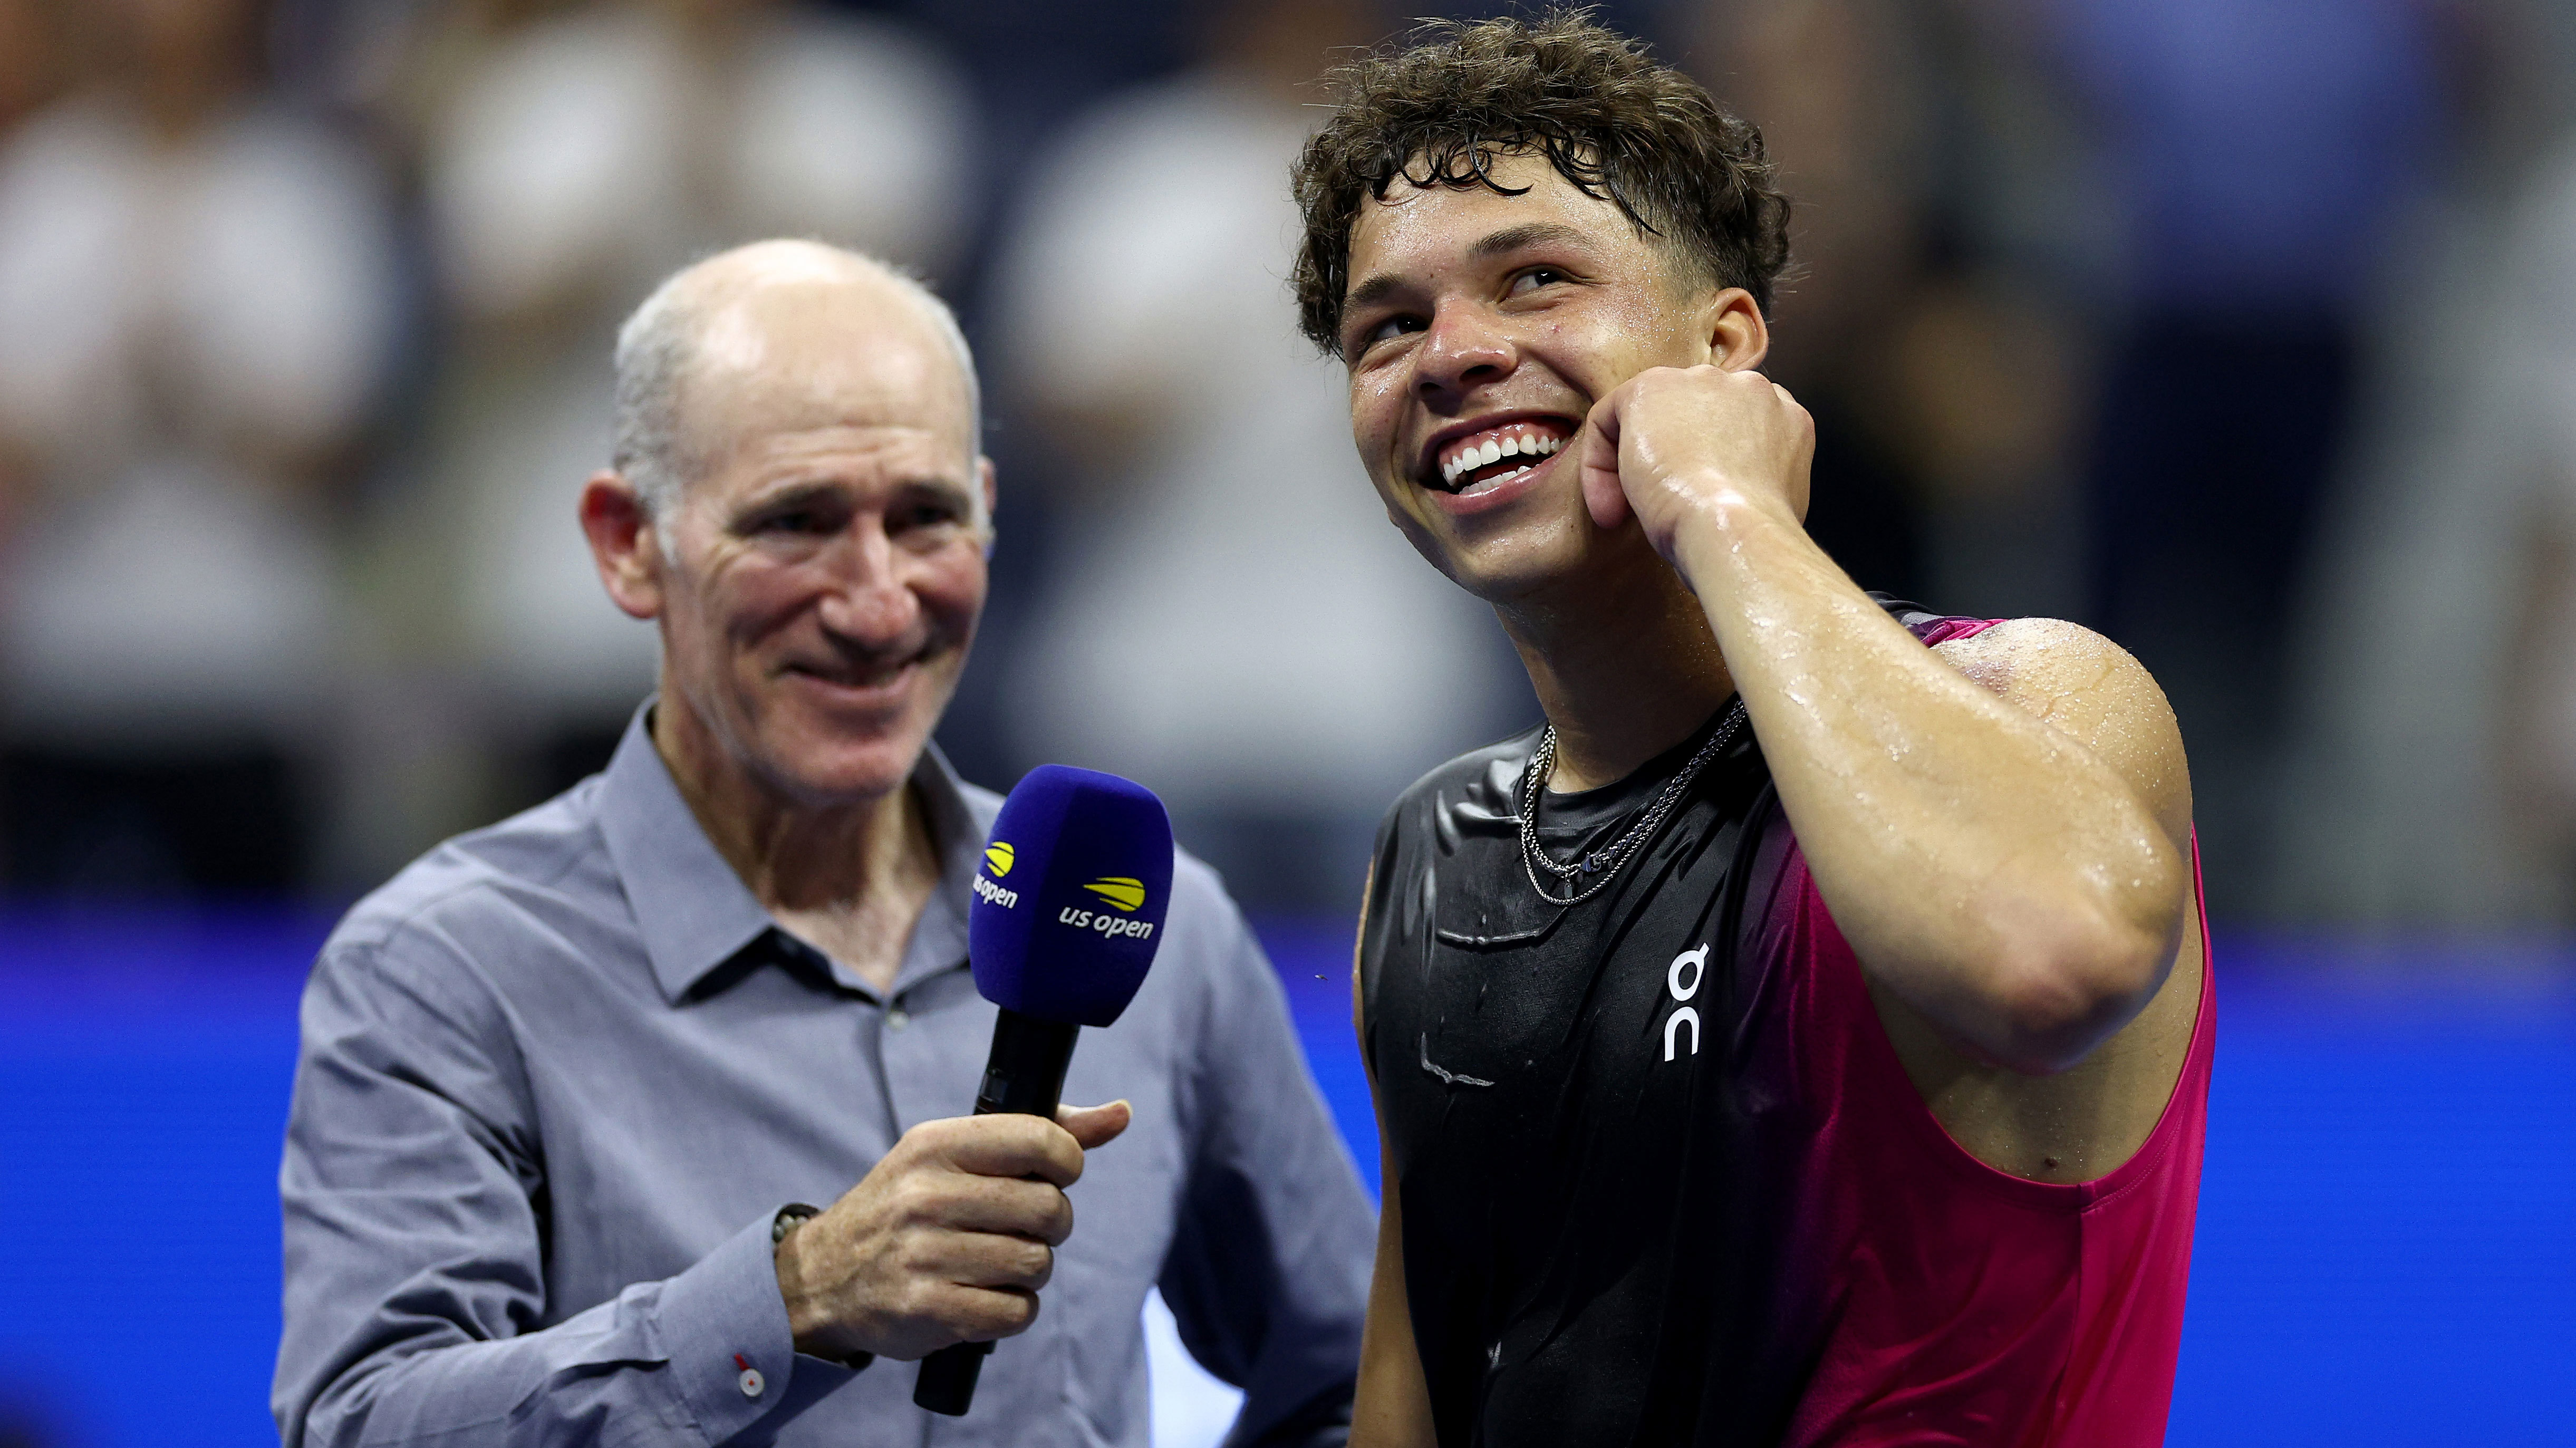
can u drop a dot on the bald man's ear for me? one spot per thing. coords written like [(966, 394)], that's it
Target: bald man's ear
[(623, 544), (1738, 337), (992, 499)]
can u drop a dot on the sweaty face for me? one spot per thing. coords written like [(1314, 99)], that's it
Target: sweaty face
[(1479, 330), (827, 567)]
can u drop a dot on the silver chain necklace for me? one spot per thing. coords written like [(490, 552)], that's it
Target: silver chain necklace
[(1611, 858)]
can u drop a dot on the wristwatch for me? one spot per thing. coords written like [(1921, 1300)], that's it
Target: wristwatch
[(789, 1218)]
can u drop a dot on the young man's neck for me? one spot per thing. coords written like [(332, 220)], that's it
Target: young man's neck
[(849, 875), (1625, 667)]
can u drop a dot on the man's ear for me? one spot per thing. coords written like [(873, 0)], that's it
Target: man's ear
[(623, 544), (1738, 338), (992, 499)]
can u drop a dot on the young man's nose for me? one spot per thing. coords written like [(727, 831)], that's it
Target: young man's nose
[(1463, 349)]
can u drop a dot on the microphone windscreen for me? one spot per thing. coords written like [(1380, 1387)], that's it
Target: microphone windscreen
[(1070, 896)]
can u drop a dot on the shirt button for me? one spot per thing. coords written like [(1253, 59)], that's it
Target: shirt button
[(898, 1018), (752, 1382)]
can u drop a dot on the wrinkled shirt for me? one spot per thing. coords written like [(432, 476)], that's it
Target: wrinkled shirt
[(559, 1076)]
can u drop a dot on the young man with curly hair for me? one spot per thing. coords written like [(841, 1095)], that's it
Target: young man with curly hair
[(1804, 1038)]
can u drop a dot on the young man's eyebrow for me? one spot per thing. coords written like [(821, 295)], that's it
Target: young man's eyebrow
[(1528, 233), (1509, 239)]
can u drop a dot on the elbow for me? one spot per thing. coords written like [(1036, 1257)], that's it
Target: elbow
[(2053, 1001)]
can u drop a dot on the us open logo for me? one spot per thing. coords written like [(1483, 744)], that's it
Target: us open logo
[(998, 858), (1123, 891)]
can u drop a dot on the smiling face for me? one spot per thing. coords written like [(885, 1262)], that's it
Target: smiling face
[(824, 567), (1479, 330)]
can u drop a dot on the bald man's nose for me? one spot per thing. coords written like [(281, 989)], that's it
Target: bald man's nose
[(869, 602)]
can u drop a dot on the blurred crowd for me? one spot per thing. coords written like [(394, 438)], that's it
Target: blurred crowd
[(2245, 333)]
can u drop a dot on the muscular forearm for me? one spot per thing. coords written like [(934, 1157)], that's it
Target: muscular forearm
[(1985, 866)]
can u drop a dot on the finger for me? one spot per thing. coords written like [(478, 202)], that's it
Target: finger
[(1095, 1126), (992, 1259), (1603, 498), (982, 1314), (1011, 1145), (1009, 1205)]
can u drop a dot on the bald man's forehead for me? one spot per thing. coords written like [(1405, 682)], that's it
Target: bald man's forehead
[(788, 358)]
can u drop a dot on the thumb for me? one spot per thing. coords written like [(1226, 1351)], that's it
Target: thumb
[(1598, 459), (1095, 1126)]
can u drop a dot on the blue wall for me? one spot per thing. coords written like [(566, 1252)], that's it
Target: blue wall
[(2387, 1247)]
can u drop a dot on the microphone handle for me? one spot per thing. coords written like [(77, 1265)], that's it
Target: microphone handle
[(1024, 1074)]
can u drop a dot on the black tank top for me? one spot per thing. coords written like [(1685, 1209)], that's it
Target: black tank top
[(1599, 1242)]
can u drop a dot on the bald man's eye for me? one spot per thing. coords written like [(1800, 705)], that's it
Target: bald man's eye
[(796, 520), (929, 515)]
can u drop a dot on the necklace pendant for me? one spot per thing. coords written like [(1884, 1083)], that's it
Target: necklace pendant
[(1591, 863)]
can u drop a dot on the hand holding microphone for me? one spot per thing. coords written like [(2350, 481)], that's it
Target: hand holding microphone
[(943, 1246), (947, 1239)]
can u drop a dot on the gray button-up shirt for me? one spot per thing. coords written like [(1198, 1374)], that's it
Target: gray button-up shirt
[(559, 1075)]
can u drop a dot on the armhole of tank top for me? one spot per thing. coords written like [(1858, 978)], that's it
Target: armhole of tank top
[(1886, 1078)]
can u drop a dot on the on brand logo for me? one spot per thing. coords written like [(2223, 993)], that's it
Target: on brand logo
[(1697, 961)]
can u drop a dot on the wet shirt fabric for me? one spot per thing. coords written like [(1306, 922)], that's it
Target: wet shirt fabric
[(559, 1076), (1664, 1180)]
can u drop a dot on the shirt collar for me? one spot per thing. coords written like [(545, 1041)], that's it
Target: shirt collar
[(694, 912)]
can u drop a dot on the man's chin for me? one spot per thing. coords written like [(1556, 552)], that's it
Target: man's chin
[(846, 774)]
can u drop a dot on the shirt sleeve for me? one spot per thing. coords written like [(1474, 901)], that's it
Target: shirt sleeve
[(1268, 1272), (415, 1299)]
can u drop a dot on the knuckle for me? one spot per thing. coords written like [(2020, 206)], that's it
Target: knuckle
[(1021, 1314)]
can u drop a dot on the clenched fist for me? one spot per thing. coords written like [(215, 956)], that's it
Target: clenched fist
[(1672, 443), (947, 1239)]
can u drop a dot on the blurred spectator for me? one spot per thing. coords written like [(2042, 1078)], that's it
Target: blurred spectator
[(1841, 95), (2438, 780), (2258, 154), (1230, 619), (1926, 322), (31, 59), (571, 160), (194, 311)]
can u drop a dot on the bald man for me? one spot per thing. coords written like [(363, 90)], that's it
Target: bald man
[(567, 1082)]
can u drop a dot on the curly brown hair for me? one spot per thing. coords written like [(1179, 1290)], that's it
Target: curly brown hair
[(1607, 116)]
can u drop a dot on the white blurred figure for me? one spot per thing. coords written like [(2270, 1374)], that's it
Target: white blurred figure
[(1233, 620), (2438, 783), (578, 160), (196, 301)]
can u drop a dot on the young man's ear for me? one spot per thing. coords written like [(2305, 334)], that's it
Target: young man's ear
[(1738, 337), (624, 545)]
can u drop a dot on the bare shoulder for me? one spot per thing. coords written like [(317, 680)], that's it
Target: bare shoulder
[(2093, 691)]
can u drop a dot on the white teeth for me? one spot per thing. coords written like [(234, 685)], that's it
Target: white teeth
[(1497, 447)]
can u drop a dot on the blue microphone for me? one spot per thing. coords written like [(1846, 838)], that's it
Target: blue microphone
[(1070, 899)]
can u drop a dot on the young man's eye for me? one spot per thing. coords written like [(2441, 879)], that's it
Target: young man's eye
[(1536, 277), (1395, 326)]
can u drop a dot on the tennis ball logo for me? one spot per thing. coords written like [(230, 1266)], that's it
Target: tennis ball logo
[(998, 857), (1119, 890), (1122, 891)]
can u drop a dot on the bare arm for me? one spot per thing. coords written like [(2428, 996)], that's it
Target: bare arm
[(1992, 872), (1393, 1409)]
